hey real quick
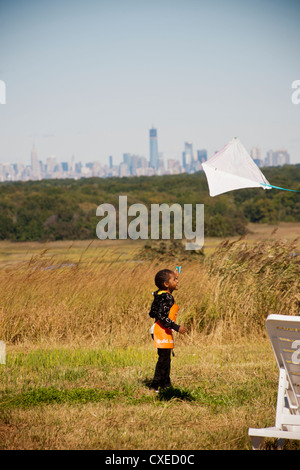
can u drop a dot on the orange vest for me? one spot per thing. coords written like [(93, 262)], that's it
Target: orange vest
[(163, 337)]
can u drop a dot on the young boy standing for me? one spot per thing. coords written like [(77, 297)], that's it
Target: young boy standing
[(164, 311)]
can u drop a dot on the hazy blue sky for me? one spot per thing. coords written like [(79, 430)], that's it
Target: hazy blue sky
[(90, 77)]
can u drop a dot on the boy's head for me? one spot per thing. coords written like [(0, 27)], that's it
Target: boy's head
[(166, 280)]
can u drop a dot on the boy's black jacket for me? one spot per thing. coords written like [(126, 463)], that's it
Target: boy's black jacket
[(160, 309)]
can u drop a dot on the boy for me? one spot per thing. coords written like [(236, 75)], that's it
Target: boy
[(164, 310)]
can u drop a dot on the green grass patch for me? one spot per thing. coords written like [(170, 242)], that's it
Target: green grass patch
[(48, 396), (78, 376)]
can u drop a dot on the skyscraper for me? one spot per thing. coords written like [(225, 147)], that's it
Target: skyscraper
[(282, 157), (154, 158), (256, 155), (202, 155), (187, 155), (35, 166)]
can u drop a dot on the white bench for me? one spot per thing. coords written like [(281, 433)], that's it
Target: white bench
[(284, 333)]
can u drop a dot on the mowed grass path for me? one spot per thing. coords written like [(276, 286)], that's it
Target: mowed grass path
[(83, 398)]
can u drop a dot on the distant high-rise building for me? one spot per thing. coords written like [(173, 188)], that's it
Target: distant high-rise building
[(50, 165), (161, 163), (73, 164), (35, 166), (143, 163), (187, 155), (110, 161), (123, 169), (282, 157), (173, 166), (154, 157), (202, 155), (269, 158), (277, 158), (134, 162), (127, 158), (256, 155), (20, 169), (65, 166)]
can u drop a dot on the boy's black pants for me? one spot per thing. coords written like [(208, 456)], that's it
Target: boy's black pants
[(162, 369)]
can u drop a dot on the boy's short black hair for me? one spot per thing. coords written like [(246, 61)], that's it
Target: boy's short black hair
[(161, 277)]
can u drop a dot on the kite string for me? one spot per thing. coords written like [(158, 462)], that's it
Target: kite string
[(278, 187)]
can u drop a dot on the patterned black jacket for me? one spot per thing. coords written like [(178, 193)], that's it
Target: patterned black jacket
[(160, 310)]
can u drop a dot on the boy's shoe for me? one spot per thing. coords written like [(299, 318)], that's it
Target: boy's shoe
[(154, 387)]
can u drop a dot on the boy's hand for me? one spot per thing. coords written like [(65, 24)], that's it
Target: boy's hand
[(182, 329)]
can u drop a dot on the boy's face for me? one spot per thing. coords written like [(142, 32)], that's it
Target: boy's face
[(172, 283)]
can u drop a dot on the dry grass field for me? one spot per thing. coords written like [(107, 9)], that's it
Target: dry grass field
[(74, 317)]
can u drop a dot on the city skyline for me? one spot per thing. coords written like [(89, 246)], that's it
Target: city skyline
[(88, 78), (131, 165)]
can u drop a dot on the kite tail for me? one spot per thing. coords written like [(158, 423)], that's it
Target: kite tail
[(278, 187)]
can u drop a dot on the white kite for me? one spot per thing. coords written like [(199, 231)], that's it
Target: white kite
[(233, 168)]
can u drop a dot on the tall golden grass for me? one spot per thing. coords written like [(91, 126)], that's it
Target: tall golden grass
[(226, 294)]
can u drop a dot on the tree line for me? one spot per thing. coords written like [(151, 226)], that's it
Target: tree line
[(66, 209)]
